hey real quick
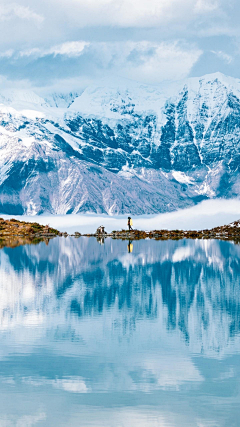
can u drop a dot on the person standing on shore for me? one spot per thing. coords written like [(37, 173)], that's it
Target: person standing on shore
[(130, 223)]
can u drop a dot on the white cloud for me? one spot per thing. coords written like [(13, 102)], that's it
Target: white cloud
[(205, 6), (147, 61), (74, 48), (169, 61), (69, 48), (223, 55), (14, 10), (87, 29), (134, 13), (7, 54), (150, 62), (35, 51)]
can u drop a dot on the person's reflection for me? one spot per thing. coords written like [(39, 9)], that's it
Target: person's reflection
[(130, 247), (101, 240)]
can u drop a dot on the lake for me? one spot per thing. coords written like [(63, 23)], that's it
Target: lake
[(120, 334)]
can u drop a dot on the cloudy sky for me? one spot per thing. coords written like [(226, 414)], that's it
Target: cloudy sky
[(70, 43)]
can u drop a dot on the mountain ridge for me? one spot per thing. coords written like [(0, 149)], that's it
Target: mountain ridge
[(120, 149)]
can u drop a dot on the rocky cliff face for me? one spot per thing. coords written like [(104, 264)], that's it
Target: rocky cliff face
[(120, 147)]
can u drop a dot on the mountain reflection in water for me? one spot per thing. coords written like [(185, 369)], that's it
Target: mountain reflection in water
[(120, 333)]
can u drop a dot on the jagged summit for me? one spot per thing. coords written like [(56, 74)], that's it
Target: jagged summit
[(124, 147)]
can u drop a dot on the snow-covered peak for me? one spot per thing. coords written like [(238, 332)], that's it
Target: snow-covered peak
[(18, 99), (115, 99)]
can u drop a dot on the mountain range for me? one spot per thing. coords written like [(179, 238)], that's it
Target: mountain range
[(120, 147)]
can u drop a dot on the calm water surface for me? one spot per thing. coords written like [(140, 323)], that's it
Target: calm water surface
[(91, 335)]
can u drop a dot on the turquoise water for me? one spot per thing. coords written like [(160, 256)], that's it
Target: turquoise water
[(92, 335)]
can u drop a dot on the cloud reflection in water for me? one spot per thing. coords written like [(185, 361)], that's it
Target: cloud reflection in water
[(141, 330)]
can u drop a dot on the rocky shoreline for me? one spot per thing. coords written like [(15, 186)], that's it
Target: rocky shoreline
[(226, 232), (15, 233)]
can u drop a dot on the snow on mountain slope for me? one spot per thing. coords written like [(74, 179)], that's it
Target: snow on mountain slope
[(19, 99), (120, 147), (61, 100)]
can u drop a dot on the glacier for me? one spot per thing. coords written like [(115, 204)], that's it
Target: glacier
[(120, 147)]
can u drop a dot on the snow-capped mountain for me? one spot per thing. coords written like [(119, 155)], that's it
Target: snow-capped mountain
[(120, 147)]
